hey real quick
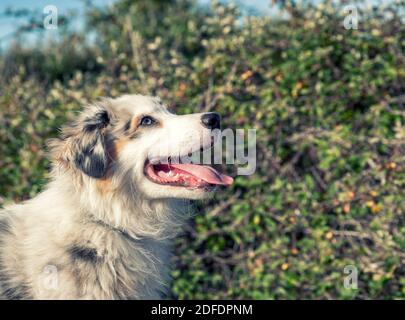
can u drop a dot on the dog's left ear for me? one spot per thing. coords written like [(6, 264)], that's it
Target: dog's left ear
[(90, 145)]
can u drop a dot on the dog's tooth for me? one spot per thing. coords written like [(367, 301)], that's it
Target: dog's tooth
[(162, 174)]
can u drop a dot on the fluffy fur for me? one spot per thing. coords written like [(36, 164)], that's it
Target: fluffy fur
[(100, 226)]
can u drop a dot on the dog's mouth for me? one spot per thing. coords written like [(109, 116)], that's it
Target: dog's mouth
[(193, 176)]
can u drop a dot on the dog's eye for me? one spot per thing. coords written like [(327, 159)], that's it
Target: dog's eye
[(147, 121)]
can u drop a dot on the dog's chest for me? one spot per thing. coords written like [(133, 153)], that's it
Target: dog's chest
[(122, 268)]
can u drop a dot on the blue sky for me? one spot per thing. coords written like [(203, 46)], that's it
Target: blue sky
[(8, 25)]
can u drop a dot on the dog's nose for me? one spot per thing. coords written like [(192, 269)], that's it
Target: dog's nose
[(211, 120)]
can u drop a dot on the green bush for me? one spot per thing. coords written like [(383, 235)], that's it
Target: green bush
[(328, 106)]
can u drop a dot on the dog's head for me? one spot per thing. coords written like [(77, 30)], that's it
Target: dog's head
[(136, 140)]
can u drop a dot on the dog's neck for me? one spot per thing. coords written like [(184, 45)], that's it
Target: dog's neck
[(124, 210)]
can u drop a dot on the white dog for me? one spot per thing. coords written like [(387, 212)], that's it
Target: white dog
[(102, 228)]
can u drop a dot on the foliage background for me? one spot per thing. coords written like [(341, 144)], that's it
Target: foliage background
[(328, 106)]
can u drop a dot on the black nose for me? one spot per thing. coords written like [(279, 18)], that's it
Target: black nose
[(211, 120)]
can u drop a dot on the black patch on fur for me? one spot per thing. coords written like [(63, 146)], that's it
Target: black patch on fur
[(99, 121), (92, 158), (91, 163), (83, 254), (94, 167)]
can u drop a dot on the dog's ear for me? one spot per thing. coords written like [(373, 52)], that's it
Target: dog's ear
[(89, 148)]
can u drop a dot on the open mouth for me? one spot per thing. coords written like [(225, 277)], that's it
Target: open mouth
[(188, 175)]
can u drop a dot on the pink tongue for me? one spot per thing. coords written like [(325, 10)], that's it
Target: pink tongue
[(205, 173)]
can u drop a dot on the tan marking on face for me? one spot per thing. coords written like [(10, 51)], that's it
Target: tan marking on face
[(104, 184), (119, 144), (135, 123)]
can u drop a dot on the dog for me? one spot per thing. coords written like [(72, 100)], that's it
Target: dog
[(104, 225)]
